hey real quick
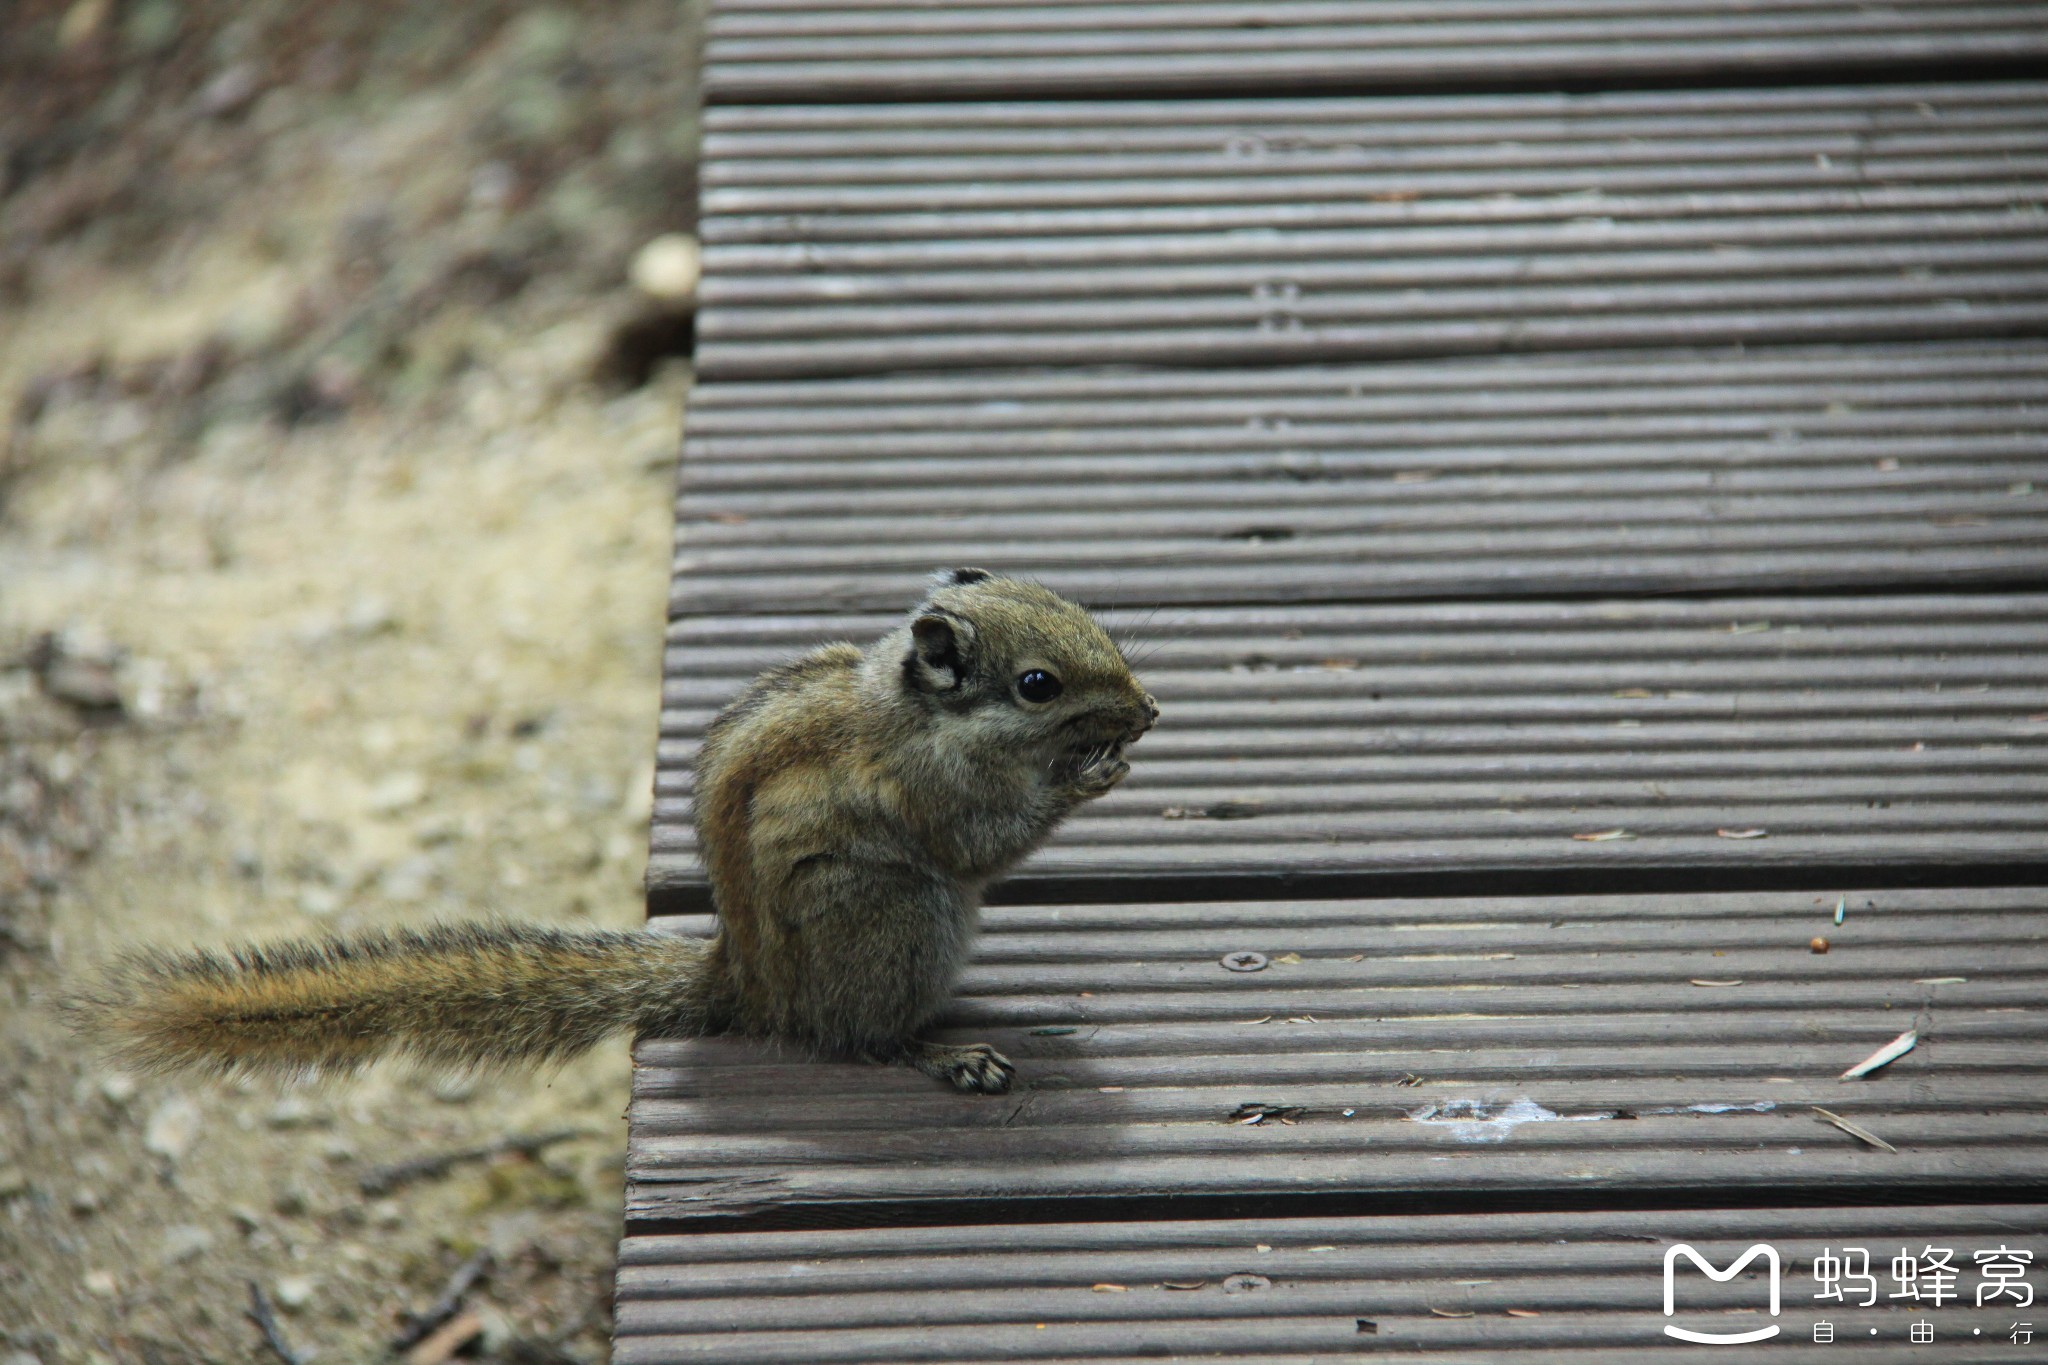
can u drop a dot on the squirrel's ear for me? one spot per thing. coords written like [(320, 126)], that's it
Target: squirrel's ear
[(941, 645), (959, 578)]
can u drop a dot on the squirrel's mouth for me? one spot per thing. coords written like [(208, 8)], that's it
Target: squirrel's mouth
[(1100, 754)]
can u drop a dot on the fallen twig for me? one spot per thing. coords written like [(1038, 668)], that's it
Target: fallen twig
[(1860, 1134), (444, 1342), (419, 1328), (259, 1312), (381, 1180)]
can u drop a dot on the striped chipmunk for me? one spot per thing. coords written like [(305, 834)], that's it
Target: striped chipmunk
[(851, 806)]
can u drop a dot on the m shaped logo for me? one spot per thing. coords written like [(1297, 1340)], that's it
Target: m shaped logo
[(1769, 1253)]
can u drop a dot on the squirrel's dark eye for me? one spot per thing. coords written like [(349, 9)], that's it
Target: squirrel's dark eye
[(1037, 685)]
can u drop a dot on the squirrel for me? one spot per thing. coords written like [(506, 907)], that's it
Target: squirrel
[(851, 806)]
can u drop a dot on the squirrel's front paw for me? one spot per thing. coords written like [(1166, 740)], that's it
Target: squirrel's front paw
[(1098, 777), (975, 1068)]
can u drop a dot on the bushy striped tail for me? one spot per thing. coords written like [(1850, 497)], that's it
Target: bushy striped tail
[(460, 995)]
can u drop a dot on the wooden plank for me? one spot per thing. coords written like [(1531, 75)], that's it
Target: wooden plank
[(1651, 472), (738, 138), (1510, 1045), (1536, 1287), (1277, 232), (822, 51), (1361, 743)]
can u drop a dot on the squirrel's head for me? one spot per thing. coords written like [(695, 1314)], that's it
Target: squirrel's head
[(1035, 671)]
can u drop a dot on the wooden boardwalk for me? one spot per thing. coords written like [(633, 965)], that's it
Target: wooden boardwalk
[(1580, 470)]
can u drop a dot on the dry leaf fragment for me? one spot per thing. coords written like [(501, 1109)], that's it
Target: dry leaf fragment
[(1603, 836), (1633, 693), (1110, 1288), (1939, 980), (1449, 1313), (1523, 1313), (1860, 1134), (1884, 1056), (1709, 981), (1356, 957), (1290, 959), (1743, 833), (1367, 1327), (1184, 1284)]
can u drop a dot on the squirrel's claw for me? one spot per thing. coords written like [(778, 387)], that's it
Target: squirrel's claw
[(975, 1068)]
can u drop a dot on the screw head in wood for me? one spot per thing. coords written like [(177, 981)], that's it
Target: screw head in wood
[(1244, 962)]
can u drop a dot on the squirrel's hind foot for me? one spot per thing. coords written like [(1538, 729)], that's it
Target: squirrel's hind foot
[(975, 1068)]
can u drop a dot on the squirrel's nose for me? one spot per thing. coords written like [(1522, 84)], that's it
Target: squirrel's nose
[(1151, 711)]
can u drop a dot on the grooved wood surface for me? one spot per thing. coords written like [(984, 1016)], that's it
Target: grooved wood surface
[(1361, 742), (1636, 472), (1729, 571), (1542, 1287), (1192, 232), (1496, 1044), (762, 51)]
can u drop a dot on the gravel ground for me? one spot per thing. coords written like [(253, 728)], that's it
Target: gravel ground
[(333, 542)]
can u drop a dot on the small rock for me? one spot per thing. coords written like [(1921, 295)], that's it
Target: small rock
[(435, 830), (153, 25), (84, 1200), (408, 880), (369, 615), (667, 269), (81, 21), (232, 91), (183, 1242), (455, 1089), (173, 1128), (296, 1111), (101, 1283), (294, 1292), (78, 671), (396, 792), (493, 185), (497, 1330), (291, 1202)]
